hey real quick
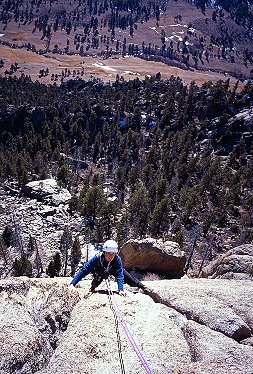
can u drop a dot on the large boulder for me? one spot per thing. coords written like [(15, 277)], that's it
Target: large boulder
[(237, 263), (154, 255), (48, 191), (172, 337)]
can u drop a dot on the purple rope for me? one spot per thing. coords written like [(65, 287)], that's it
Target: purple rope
[(128, 333), (131, 339)]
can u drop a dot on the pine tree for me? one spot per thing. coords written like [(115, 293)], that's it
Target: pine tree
[(122, 230), (57, 263), (75, 255), (107, 218), (51, 269), (93, 202), (22, 267), (65, 246), (139, 211), (30, 246), (4, 252), (63, 173), (54, 266), (179, 238), (7, 236), (160, 218)]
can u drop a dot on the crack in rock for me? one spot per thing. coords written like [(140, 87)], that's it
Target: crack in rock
[(47, 327)]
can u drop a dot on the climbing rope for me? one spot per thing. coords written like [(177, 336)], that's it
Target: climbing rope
[(119, 318), (117, 328)]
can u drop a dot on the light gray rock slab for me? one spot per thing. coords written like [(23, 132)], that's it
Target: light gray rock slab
[(237, 263), (47, 190), (222, 305), (91, 340), (23, 348), (57, 329)]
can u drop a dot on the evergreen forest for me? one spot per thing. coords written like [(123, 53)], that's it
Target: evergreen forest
[(177, 158)]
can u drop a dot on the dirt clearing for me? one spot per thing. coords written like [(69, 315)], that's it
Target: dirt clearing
[(31, 63)]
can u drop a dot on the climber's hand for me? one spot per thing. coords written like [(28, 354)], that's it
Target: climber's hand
[(122, 293)]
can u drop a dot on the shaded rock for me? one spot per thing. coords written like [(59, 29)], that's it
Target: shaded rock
[(237, 263), (154, 256), (245, 120), (50, 305), (23, 347), (47, 211), (213, 353), (11, 190), (19, 285), (48, 191)]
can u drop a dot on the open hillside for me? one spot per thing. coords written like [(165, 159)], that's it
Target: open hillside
[(58, 40)]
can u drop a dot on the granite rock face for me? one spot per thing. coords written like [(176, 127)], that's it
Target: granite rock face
[(44, 223), (237, 263), (48, 327), (225, 306), (154, 255), (34, 315), (48, 191)]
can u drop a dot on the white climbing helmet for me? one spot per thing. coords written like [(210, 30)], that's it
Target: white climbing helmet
[(110, 246)]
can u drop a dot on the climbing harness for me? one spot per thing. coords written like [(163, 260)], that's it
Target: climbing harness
[(119, 319), (101, 272)]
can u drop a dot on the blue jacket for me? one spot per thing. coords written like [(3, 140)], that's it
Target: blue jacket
[(115, 268)]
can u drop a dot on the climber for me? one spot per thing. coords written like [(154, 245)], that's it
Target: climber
[(105, 263)]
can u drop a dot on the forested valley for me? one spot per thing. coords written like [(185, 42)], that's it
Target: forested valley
[(177, 159)]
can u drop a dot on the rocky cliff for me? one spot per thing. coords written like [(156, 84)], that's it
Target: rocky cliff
[(198, 326), (236, 263)]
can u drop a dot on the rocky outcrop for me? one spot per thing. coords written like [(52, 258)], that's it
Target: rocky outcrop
[(154, 255), (248, 341), (244, 119), (48, 191), (239, 126), (220, 305), (63, 331), (237, 263), (38, 220), (34, 315)]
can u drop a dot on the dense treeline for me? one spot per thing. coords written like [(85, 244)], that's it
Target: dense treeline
[(177, 158), (240, 10), (70, 15)]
